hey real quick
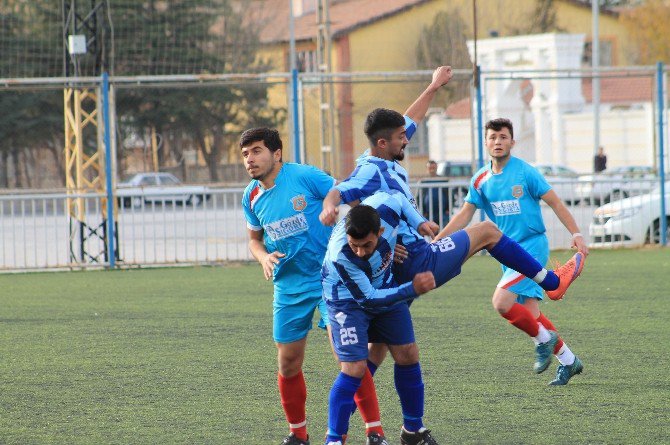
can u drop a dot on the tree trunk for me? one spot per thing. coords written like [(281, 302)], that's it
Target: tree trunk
[(215, 156), (4, 170), (28, 162), (18, 182), (209, 156), (56, 149)]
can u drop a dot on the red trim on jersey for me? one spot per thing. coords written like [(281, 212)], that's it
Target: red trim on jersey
[(255, 193), (481, 178), (513, 282)]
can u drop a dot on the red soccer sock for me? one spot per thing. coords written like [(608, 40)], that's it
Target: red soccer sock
[(368, 405), (293, 393), (550, 326), (522, 319)]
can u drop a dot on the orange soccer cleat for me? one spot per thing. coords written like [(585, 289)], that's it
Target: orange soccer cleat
[(567, 273)]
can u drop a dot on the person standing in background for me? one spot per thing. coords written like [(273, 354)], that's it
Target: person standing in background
[(600, 161)]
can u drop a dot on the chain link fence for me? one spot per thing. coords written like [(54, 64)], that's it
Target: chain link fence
[(188, 125)]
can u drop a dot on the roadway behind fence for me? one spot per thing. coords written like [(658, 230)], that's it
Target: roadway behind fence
[(35, 232)]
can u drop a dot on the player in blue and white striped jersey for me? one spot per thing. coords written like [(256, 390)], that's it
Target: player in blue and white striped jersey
[(366, 305), (368, 280)]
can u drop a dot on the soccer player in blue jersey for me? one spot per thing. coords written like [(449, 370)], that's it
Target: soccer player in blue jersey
[(281, 206), (509, 190), (367, 304)]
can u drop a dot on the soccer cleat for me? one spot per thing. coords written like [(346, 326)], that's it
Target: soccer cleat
[(565, 372), (422, 437), (543, 353), (376, 439), (291, 439), (567, 273)]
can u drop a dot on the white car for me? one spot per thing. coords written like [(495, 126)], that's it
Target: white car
[(618, 183), (159, 188), (631, 221), (563, 180)]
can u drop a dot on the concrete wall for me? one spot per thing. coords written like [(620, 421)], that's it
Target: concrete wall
[(626, 135)]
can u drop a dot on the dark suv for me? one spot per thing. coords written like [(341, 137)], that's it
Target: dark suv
[(458, 172)]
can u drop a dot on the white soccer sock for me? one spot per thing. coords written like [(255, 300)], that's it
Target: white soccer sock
[(565, 356), (542, 335), (541, 275)]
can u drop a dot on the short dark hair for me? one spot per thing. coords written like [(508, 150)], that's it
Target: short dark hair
[(269, 136), (431, 162), (499, 124), (380, 123), (361, 221)]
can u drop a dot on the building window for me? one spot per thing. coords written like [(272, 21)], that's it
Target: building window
[(306, 61), (605, 53)]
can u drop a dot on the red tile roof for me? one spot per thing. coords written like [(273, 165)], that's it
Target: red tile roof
[(345, 16), (613, 90), (621, 90)]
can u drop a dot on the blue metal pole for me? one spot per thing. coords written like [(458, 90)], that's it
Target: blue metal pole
[(108, 171), (296, 123), (661, 142)]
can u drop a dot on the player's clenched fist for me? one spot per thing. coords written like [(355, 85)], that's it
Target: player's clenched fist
[(423, 282), (441, 76), (328, 216)]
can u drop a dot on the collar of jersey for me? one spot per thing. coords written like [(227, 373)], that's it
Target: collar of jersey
[(375, 158), (281, 172)]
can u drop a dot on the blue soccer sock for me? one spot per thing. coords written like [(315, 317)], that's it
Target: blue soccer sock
[(410, 388), (372, 367), (509, 253), (340, 404)]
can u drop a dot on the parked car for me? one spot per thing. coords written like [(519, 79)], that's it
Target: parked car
[(159, 188), (631, 221), (563, 180), (614, 184), (459, 173)]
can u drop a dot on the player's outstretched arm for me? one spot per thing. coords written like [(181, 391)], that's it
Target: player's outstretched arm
[(417, 111), (566, 218), (459, 221)]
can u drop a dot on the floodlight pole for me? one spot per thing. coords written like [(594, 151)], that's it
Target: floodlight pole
[(595, 80), (85, 166)]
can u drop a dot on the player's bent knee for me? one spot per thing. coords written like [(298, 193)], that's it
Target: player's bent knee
[(503, 301), (355, 369), (377, 352), (405, 354)]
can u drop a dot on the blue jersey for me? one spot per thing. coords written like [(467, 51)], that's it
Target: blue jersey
[(370, 281), (374, 174), (511, 199), (288, 215)]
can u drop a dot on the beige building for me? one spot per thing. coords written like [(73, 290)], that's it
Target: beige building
[(382, 35)]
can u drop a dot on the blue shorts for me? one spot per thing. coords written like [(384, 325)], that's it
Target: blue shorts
[(443, 257), (292, 321), (353, 328), (513, 281)]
